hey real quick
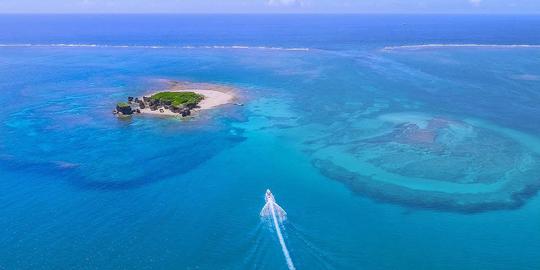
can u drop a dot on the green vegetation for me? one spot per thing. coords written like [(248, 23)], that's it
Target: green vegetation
[(122, 105), (178, 99)]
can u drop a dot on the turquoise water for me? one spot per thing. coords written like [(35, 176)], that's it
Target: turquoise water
[(383, 158)]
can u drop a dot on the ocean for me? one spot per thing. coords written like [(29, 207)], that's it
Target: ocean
[(391, 141)]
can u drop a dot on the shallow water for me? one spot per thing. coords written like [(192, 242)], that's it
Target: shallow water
[(409, 158)]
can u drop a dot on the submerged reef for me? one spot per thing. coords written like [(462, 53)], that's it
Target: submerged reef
[(513, 196), (441, 163)]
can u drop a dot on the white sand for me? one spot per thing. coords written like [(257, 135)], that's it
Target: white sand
[(213, 98)]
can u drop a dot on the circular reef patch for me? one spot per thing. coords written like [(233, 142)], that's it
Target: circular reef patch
[(441, 163)]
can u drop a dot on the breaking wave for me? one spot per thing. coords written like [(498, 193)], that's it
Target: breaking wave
[(428, 46), (232, 47)]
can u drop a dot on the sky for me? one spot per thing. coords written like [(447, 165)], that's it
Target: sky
[(270, 6)]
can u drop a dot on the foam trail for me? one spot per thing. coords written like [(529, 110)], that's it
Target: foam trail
[(271, 207), (282, 241)]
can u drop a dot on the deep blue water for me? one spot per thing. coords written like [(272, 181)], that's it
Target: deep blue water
[(384, 156)]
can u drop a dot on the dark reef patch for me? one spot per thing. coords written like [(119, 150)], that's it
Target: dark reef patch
[(169, 163), (511, 198), (434, 162)]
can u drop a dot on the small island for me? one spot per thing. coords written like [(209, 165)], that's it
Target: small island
[(179, 99)]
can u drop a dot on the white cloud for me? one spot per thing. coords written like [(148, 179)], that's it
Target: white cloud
[(475, 2), (284, 2)]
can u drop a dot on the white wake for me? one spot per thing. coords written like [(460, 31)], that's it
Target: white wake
[(270, 209)]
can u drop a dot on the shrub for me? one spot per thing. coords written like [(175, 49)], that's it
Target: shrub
[(179, 99), (122, 105)]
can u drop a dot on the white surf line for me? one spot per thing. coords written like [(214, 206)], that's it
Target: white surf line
[(470, 45), (228, 47), (281, 240)]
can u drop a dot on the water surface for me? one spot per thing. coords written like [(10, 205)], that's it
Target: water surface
[(383, 158)]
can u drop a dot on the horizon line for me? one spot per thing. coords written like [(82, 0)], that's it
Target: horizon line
[(271, 13)]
